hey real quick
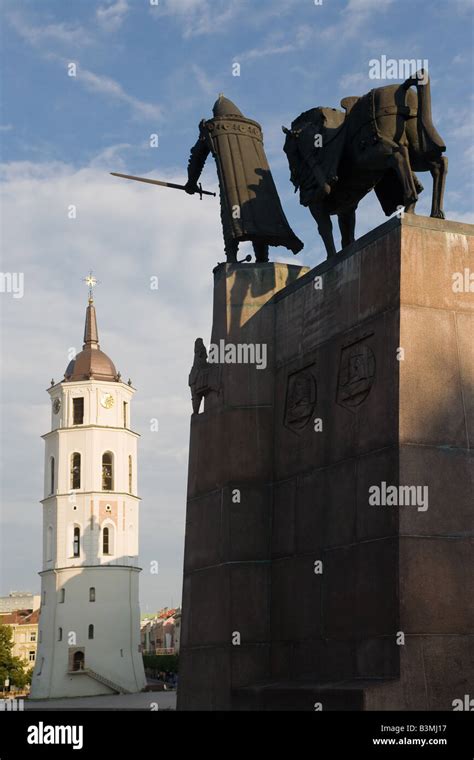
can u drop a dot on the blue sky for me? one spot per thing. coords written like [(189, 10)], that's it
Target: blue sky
[(144, 69)]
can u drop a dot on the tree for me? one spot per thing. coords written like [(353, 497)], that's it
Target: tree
[(10, 666)]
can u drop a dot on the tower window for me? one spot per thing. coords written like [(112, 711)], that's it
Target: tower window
[(92, 594), (91, 632), (76, 543), (75, 471), (31, 656), (60, 634), (108, 535), (52, 476), (62, 595), (125, 413), (130, 473), (78, 410), (107, 471)]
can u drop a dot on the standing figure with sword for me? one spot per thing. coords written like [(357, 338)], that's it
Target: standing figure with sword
[(250, 205)]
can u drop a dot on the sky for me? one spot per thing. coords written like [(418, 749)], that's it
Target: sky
[(143, 68)]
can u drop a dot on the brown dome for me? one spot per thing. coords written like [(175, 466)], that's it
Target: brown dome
[(91, 363)]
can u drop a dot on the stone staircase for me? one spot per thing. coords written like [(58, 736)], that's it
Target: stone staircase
[(102, 679)]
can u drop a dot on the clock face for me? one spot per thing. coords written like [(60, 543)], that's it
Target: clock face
[(107, 401), (56, 405)]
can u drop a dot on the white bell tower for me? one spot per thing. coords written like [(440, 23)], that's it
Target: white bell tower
[(89, 628)]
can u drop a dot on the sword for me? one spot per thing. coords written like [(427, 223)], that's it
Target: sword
[(162, 184)]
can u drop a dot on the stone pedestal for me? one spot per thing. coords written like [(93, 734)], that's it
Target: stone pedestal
[(368, 392)]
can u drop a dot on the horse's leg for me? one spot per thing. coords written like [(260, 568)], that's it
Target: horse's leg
[(323, 220), (400, 161), (260, 250), (438, 170), (347, 221), (410, 209)]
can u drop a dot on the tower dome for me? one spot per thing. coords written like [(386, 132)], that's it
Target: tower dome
[(91, 363)]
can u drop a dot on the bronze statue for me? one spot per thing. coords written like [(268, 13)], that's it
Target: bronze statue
[(377, 142), (250, 205), (204, 377)]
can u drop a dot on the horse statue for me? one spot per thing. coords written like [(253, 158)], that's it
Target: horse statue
[(377, 143)]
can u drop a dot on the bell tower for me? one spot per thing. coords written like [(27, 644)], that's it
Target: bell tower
[(89, 628)]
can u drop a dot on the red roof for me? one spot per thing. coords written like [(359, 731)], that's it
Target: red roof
[(20, 617)]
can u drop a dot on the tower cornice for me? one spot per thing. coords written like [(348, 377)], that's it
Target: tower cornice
[(90, 427), (89, 382), (102, 494), (136, 568)]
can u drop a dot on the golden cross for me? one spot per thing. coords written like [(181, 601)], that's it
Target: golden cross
[(91, 282)]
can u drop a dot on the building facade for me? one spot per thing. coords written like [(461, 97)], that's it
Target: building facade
[(19, 600), (89, 634), (160, 634), (24, 627)]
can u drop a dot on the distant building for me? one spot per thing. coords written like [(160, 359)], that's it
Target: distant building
[(24, 625), (19, 600), (160, 634)]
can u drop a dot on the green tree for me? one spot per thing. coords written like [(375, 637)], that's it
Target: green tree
[(165, 662), (10, 666)]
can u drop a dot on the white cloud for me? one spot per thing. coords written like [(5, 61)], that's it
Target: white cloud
[(44, 35), (111, 16), (107, 86), (354, 81), (354, 18), (201, 17), (205, 82), (277, 44)]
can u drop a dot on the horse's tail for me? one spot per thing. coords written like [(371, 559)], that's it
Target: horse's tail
[(430, 140)]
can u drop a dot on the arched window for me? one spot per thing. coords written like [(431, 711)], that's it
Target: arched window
[(108, 471), (52, 476), (62, 595), (108, 536), (78, 411), (60, 634), (91, 632), (105, 541), (92, 594), (130, 473), (75, 471), (76, 542), (49, 543)]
